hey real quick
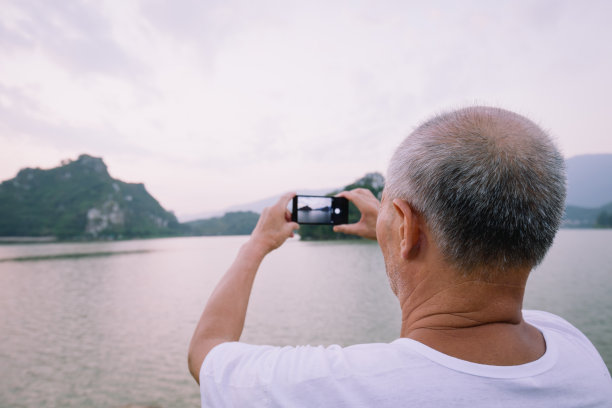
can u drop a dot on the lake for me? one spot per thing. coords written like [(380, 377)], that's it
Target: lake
[(108, 324)]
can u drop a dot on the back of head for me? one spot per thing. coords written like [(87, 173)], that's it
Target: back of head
[(489, 183)]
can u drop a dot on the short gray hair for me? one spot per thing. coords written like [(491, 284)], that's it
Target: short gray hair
[(489, 183)]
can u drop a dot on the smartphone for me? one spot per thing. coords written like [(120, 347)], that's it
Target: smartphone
[(319, 210)]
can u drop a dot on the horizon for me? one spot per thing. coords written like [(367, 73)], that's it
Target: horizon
[(210, 105), (255, 203)]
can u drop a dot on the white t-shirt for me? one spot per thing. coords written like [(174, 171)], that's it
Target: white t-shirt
[(406, 373)]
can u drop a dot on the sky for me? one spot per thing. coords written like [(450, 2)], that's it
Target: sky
[(217, 103)]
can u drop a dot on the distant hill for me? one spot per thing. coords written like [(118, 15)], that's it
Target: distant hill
[(589, 180), (589, 185), (589, 191), (580, 217), (80, 200), (604, 218), (589, 198), (243, 222), (231, 223), (253, 206)]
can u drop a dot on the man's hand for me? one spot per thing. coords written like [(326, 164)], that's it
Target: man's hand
[(368, 205), (274, 226)]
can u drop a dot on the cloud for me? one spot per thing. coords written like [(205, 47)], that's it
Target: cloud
[(251, 98), (73, 34)]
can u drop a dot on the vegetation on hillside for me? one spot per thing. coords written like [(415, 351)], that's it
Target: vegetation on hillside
[(232, 223), (79, 200), (579, 217), (604, 219)]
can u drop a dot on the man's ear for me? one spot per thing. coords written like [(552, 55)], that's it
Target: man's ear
[(409, 229)]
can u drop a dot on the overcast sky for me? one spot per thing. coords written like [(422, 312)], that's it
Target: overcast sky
[(215, 103)]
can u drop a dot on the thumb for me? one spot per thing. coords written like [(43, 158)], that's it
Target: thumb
[(344, 228), (292, 226)]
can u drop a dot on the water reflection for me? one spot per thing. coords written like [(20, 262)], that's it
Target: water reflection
[(71, 255), (80, 328), (314, 216)]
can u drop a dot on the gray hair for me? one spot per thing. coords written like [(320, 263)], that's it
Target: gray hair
[(489, 183)]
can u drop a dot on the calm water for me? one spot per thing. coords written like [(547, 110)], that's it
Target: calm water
[(108, 324), (314, 217)]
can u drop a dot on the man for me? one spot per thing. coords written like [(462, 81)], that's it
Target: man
[(472, 203)]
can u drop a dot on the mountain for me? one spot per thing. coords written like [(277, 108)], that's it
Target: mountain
[(604, 218), (589, 180), (589, 191), (580, 217), (238, 222), (253, 206), (80, 200), (589, 183)]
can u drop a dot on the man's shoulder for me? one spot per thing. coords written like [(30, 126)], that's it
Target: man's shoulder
[(304, 363), (563, 336), (549, 321), (366, 352), (372, 374), (329, 350)]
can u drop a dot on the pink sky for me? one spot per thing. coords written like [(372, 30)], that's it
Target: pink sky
[(212, 104)]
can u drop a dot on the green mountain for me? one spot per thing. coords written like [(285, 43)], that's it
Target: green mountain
[(371, 181), (589, 188), (243, 222), (604, 218), (580, 217), (80, 200), (589, 184), (575, 216)]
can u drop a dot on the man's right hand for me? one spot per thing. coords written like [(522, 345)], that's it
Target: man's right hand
[(274, 226), (368, 205)]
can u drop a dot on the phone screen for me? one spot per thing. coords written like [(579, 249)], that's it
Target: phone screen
[(319, 210)]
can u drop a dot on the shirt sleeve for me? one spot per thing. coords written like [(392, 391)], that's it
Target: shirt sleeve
[(236, 374), (223, 370)]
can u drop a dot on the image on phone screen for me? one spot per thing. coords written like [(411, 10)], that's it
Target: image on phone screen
[(320, 210)]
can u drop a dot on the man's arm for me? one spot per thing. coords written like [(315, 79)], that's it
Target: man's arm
[(223, 317)]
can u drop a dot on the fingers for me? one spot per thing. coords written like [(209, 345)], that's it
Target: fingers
[(368, 205), (344, 194), (292, 226), (348, 228), (342, 228), (349, 195), (357, 196), (278, 216), (284, 200)]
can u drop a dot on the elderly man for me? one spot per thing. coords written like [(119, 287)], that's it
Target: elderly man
[(472, 203)]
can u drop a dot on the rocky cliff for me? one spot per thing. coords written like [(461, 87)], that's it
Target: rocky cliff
[(80, 200)]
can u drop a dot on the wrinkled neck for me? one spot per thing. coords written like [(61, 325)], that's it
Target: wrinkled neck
[(440, 302)]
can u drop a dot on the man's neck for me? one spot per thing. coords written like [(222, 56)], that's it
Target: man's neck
[(471, 319)]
